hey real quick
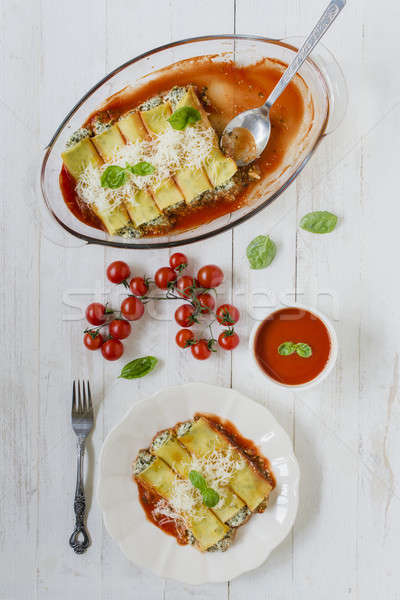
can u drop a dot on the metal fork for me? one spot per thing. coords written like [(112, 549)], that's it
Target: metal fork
[(82, 423)]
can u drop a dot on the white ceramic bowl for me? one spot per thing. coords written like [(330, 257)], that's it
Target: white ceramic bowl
[(332, 354), (149, 547)]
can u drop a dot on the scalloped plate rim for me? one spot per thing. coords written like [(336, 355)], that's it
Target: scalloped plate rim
[(295, 484)]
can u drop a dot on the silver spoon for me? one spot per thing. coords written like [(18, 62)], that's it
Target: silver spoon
[(251, 129)]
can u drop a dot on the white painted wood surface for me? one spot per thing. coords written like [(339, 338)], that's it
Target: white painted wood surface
[(345, 543)]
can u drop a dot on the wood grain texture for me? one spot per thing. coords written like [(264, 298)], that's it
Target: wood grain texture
[(345, 432)]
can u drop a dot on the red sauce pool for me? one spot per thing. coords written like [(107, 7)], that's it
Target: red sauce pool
[(294, 325), (71, 199), (149, 499)]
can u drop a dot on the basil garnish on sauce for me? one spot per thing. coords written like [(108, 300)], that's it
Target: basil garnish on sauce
[(261, 252), (319, 221), (114, 176), (186, 115), (303, 350), (288, 348), (138, 367), (210, 496)]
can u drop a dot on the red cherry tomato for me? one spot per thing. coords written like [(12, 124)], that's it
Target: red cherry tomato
[(118, 271), (183, 337), (139, 286), (119, 329), (227, 314), (207, 302), (228, 339), (178, 261), (112, 349), (183, 286), (164, 276), (96, 313), (184, 315), (210, 276), (200, 350), (132, 308), (93, 340)]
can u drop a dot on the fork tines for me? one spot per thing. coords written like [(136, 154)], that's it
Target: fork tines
[(81, 401)]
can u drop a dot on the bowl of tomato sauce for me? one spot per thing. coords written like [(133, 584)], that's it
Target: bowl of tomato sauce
[(294, 347)]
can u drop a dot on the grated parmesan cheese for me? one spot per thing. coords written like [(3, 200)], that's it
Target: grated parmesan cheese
[(168, 515), (185, 498), (90, 191), (217, 468), (168, 152)]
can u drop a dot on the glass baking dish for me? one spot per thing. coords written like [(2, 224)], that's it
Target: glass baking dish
[(327, 94)]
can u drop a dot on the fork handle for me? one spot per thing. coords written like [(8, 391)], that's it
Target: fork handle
[(80, 507)]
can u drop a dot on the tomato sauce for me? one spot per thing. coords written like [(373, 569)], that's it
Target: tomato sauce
[(230, 89), (71, 199), (149, 499), (294, 325)]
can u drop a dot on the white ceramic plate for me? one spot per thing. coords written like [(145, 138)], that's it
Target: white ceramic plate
[(149, 547)]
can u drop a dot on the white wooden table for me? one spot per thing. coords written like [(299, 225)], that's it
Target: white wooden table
[(345, 543)]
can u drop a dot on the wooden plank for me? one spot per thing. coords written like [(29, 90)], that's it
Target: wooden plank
[(19, 264), (295, 569), (379, 400), (69, 65), (264, 291)]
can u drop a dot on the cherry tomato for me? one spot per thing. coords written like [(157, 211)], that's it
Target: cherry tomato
[(164, 276), (119, 329), (227, 314), (184, 315), (93, 340), (139, 286), (183, 285), (118, 271), (132, 308), (210, 276), (178, 261), (207, 302), (183, 337), (228, 339), (96, 313), (200, 350), (112, 349)]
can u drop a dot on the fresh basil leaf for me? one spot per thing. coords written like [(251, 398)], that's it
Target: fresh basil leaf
[(261, 252), (287, 348), (186, 115), (113, 177), (138, 367), (141, 168), (197, 480), (319, 221), (303, 350), (210, 497)]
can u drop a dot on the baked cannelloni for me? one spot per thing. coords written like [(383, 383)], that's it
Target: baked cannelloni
[(199, 478), (183, 167)]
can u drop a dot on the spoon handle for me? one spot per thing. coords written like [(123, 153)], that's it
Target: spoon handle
[(326, 20)]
